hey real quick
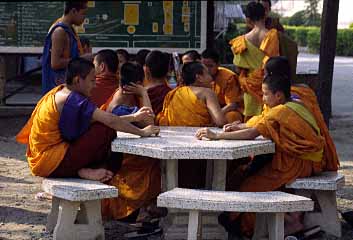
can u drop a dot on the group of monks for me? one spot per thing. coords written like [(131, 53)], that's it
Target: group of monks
[(70, 131)]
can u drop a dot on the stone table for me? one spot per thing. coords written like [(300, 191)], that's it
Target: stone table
[(175, 143)]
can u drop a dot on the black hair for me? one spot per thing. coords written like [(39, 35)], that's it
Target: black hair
[(278, 65), (211, 53), (141, 56), (78, 67), (189, 72), (109, 58), (124, 53), (255, 11), (131, 73), (78, 5), (84, 41), (158, 63), (278, 83), (193, 54), (268, 1)]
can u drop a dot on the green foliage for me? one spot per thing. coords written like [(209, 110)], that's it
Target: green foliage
[(312, 17), (313, 40), (351, 25), (344, 44), (297, 19)]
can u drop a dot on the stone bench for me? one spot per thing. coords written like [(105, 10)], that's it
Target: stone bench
[(322, 189), (268, 206), (76, 207)]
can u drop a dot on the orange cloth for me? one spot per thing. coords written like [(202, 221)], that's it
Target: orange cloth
[(251, 81), (308, 97), (46, 149), (227, 88), (79, 45), (138, 181), (157, 95), (294, 137), (182, 108), (106, 85)]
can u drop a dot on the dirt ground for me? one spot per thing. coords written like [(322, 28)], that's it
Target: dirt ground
[(23, 217)]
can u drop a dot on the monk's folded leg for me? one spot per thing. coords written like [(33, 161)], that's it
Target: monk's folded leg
[(91, 150)]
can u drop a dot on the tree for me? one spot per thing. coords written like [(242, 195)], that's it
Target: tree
[(313, 18)]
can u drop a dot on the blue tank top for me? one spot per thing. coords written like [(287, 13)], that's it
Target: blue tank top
[(50, 77)]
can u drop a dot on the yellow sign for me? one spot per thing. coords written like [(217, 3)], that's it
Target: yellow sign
[(131, 29), (167, 4), (155, 27), (185, 18), (80, 29), (186, 27), (131, 14), (168, 28), (91, 4)]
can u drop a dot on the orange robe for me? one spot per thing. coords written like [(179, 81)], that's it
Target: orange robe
[(182, 108), (227, 88), (46, 148), (330, 161), (106, 85), (298, 154), (138, 181), (251, 66)]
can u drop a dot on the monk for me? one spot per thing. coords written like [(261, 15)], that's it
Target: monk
[(299, 146), (251, 51), (106, 65), (156, 83), (193, 105), (62, 44), (271, 21), (138, 179), (226, 86), (190, 56), (68, 136)]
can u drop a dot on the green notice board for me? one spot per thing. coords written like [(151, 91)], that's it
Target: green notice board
[(169, 25)]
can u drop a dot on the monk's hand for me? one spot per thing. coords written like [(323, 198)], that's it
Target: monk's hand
[(206, 133), (143, 113), (135, 89), (150, 130), (230, 127)]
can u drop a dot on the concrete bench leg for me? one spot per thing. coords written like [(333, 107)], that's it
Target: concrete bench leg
[(328, 217), (194, 226), (86, 224), (269, 226), (53, 215)]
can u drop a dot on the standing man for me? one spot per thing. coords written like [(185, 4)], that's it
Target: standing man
[(62, 44)]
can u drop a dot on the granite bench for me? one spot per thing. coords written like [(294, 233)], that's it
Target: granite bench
[(268, 206), (322, 189), (76, 207)]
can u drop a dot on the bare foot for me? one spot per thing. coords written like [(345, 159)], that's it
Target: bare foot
[(99, 174)]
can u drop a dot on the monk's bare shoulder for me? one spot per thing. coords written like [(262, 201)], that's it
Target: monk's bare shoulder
[(59, 35), (60, 99)]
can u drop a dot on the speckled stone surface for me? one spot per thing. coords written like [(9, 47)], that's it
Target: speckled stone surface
[(206, 200), (180, 143), (329, 181), (75, 189)]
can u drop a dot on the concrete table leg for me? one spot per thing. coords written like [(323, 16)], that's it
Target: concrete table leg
[(194, 226), (275, 226), (53, 215)]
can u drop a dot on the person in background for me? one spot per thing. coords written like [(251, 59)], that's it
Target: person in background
[(226, 86), (190, 56), (86, 46), (271, 21), (123, 56), (141, 56), (62, 44), (106, 65)]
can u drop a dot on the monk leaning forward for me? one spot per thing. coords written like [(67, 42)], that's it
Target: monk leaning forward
[(299, 146), (68, 136)]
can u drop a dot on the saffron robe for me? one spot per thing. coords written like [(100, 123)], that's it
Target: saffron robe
[(251, 60), (299, 152), (46, 147), (227, 88)]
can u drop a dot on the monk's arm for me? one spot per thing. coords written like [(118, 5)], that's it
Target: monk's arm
[(117, 123), (214, 109), (244, 134), (59, 43)]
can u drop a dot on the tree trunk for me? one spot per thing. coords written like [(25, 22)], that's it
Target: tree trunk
[(327, 55)]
